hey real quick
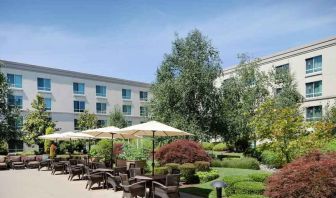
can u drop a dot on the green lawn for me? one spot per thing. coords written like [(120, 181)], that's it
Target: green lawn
[(224, 153), (205, 189)]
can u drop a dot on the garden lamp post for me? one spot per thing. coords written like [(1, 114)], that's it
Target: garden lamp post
[(219, 185)]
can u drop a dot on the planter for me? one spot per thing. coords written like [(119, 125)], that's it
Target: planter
[(121, 163), (138, 163)]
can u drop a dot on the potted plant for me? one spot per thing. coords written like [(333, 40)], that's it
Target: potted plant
[(134, 155)]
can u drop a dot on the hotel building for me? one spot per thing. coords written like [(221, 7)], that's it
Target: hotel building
[(314, 70), (68, 93)]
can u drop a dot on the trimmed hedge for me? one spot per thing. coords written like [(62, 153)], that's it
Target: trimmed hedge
[(160, 170), (246, 187), (207, 146), (220, 147), (231, 180), (246, 196), (205, 176), (202, 166), (243, 163), (188, 171), (259, 177), (172, 166)]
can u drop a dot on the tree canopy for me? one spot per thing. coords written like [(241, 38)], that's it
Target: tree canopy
[(116, 118), (87, 120), (184, 94)]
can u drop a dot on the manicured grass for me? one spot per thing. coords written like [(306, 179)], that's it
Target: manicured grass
[(205, 189), (224, 153)]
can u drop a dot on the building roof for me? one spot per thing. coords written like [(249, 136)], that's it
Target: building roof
[(49, 70), (331, 41)]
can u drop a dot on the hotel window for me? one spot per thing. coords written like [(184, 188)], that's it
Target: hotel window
[(314, 89), (76, 127), (14, 80), (143, 95), (278, 91), (126, 94), (100, 90), (280, 71), (314, 113), (15, 101), (19, 123), (78, 88), (101, 123), (143, 111), (43, 84), (314, 64), (129, 123), (101, 107), (47, 103), (127, 109), (79, 106)]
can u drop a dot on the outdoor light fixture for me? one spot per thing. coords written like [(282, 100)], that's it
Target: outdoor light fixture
[(219, 185)]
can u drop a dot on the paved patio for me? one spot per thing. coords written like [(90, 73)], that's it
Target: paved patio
[(41, 184), (31, 183)]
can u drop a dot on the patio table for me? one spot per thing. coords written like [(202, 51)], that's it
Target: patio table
[(104, 171), (149, 179)]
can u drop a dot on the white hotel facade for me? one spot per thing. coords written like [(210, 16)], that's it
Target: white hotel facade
[(314, 69), (68, 93)]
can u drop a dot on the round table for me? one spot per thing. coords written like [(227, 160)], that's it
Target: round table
[(149, 179)]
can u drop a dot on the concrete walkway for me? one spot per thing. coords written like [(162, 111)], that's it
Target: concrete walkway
[(30, 183)]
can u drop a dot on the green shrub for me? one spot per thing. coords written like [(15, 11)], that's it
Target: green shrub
[(272, 159), (172, 166), (220, 147), (188, 171), (205, 176), (202, 166), (244, 163), (222, 156), (216, 163), (207, 146), (330, 146), (246, 196), (231, 180), (3, 148), (246, 187), (259, 177), (161, 170)]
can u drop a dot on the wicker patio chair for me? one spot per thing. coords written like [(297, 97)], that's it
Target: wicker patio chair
[(45, 163), (75, 170), (132, 190), (118, 170), (113, 180), (134, 172), (169, 190), (57, 166), (73, 161), (3, 162), (31, 162), (93, 178), (15, 162)]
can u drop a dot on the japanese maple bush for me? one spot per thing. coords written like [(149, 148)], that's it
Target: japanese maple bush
[(181, 151), (313, 175)]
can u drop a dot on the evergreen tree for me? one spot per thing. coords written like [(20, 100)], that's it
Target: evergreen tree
[(87, 120), (117, 119)]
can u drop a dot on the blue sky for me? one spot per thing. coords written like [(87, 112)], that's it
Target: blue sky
[(127, 39)]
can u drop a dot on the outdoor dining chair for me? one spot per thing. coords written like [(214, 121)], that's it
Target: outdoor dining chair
[(75, 170), (57, 166), (169, 190), (93, 178), (131, 189)]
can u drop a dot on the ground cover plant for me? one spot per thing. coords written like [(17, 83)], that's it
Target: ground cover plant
[(244, 163)]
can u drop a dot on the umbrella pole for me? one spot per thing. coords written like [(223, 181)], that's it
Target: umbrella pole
[(112, 152), (153, 155)]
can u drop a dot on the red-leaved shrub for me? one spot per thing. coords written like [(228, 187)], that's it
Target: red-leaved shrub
[(181, 151), (313, 175), (117, 148)]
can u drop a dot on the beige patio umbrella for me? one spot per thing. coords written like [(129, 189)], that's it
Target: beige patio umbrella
[(53, 136), (152, 129), (109, 132)]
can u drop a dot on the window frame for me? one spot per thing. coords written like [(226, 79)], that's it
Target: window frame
[(44, 87), (126, 112), (125, 96), (79, 109), (78, 85), (45, 104), (313, 109), (14, 84), (313, 94), (314, 68), (101, 87), (100, 105), (14, 99), (143, 98), (143, 113)]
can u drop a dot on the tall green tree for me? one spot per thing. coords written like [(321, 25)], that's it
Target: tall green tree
[(47, 143), (241, 95), (184, 94), (116, 118), (87, 120), (8, 114), (36, 121)]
